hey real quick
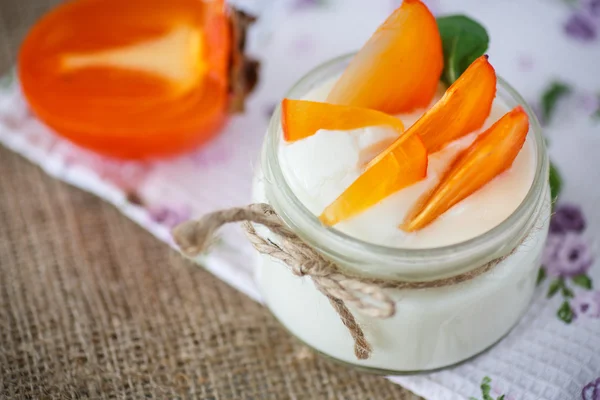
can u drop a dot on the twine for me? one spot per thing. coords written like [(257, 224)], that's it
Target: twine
[(366, 295)]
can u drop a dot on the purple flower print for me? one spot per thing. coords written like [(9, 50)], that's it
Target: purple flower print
[(587, 304), (581, 27), (566, 255), (170, 216), (591, 391), (553, 243), (567, 218), (591, 7), (567, 258)]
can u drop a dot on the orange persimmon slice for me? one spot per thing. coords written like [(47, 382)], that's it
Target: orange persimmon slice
[(464, 107), (131, 79), (400, 165), (491, 153), (399, 68), (302, 118)]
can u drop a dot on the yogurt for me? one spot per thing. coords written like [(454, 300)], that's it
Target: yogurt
[(434, 327), (319, 168)]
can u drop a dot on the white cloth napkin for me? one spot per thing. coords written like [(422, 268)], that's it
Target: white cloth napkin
[(533, 42)]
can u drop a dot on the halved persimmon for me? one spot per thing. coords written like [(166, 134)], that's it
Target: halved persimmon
[(132, 79), (491, 153), (400, 165), (464, 107), (302, 118), (398, 69)]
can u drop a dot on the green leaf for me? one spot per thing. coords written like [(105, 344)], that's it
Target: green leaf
[(582, 280), (555, 183), (501, 397), (550, 98), (566, 292), (565, 313), (486, 388), (554, 287), (473, 398), (541, 276), (463, 41)]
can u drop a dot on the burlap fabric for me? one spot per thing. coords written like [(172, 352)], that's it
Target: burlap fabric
[(93, 307)]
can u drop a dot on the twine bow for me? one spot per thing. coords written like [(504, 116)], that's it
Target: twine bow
[(366, 295)]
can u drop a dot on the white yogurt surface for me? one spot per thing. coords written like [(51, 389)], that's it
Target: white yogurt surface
[(320, 167), (433, 327)]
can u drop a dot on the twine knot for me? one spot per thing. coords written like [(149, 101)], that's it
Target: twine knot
[(366, 295)]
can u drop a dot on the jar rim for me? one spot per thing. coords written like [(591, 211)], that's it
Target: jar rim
[(343, 240)]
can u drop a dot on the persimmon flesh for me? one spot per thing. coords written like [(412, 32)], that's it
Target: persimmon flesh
[(302, 118), (492, 153), (131, 79), (464, 108), (402, 164)]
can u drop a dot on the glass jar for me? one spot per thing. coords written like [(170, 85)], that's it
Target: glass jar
[(432, 328)]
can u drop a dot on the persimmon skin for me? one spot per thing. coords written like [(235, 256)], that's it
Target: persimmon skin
[(126, 112), (399, 68), (464, 107)]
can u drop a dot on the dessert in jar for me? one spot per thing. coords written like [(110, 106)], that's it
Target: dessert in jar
[(393, 175)]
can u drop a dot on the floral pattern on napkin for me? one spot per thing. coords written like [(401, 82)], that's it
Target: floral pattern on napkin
[(584, 22), (566, 260), (591, 391)]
